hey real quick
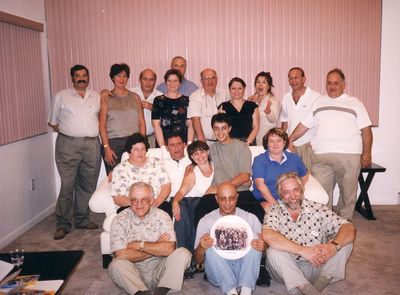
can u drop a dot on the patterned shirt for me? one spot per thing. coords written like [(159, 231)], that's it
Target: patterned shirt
[(316, 224), (125, 174), (127, 227)]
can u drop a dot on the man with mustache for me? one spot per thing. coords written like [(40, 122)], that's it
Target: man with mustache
[(309, 245), (74, 115)]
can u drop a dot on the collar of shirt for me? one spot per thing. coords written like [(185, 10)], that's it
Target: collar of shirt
[(85, 97), (283, 159)]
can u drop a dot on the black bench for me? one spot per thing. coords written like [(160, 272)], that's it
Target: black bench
[(365, 183)]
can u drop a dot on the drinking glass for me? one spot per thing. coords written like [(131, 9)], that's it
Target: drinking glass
[(17, 257)]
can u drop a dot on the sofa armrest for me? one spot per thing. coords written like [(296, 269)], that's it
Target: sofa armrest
[(101, 200), (314, 191)]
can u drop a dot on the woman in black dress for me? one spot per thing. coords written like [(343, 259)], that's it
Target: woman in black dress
[(169, 115), (244, 114)]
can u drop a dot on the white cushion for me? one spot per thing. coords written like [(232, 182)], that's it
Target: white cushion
[(314, 191)]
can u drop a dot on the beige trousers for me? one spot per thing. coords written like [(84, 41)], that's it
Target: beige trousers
[(342, 169), (150, 273), (284, 267), (305, 152)]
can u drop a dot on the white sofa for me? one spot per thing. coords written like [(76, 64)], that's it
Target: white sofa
[(102, 202)]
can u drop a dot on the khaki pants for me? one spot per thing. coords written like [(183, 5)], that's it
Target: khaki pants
[(305, 152), (150, 273), (284, 267), (342, 169)]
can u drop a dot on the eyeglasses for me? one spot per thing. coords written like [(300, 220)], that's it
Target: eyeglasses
[(144, 201), (209, 78)]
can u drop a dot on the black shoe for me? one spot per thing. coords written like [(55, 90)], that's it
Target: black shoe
[(189, 273), (90, 225), (264, 278), (161, 291), (60, 233)]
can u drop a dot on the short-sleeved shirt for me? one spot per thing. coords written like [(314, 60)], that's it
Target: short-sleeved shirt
[(204, 106), (74, 115), (172, 114), (127, 227), (176, 171), (242, 122), (187, 87), (206, 223), (338, 123), (125, 174), (147, 112), (316, 223), (229, 161), (268, 169)]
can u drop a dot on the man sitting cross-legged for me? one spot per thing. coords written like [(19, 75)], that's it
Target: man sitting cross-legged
[(221, 272), (143, 243), (309, 244)]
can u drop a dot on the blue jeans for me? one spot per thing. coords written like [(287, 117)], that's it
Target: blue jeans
[(185, 229), (228, 274)]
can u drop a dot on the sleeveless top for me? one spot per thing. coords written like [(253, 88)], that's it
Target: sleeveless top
[(122, 116), (202, 183), (242, 122)]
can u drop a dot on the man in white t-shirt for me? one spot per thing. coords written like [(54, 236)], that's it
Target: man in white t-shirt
[(203, 105), (295, 106), (341, 143), (147, 93)]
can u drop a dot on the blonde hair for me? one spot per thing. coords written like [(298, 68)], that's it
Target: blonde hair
[(285, 176)]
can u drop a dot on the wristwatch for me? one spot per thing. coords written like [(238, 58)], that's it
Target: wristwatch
[(337, 246), (141, 245)]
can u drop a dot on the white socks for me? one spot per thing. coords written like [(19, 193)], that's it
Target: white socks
[(245, 291), (232, 292)]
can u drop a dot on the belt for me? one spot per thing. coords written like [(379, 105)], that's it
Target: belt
[(77, 137)]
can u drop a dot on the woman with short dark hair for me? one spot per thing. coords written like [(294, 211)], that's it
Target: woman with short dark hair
[(140, 167), (121, 115), (169, 113), (269, 165)]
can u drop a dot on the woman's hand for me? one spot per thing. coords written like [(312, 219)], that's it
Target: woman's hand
[(176, 210), (267, 109), (109, 156)]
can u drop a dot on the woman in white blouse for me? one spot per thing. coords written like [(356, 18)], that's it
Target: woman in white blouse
[(268, 107)]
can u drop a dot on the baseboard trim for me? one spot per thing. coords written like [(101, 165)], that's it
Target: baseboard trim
[(4, 241)]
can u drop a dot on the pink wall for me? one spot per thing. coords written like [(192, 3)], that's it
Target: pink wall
[(236, 37)]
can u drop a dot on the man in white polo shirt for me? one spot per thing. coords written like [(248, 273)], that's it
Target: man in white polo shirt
[(203, 105), (75, 116), (147, 93), (341, 143), (295, 106)]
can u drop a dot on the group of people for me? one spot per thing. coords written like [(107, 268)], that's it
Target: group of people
[(309, 244)]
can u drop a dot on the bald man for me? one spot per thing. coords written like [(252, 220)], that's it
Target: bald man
[(229, 275), (187, 87), (203, 105), (147, 93)]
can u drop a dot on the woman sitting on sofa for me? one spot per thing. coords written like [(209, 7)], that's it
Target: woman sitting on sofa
[(194, 185), (269, 165), (139, 167)]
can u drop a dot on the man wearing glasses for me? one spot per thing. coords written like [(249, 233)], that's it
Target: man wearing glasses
[(143, 243), (203, 105)]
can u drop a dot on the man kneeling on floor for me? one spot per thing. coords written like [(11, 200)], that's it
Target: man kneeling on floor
[(309, 244), (229, 274), (143, 243)]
